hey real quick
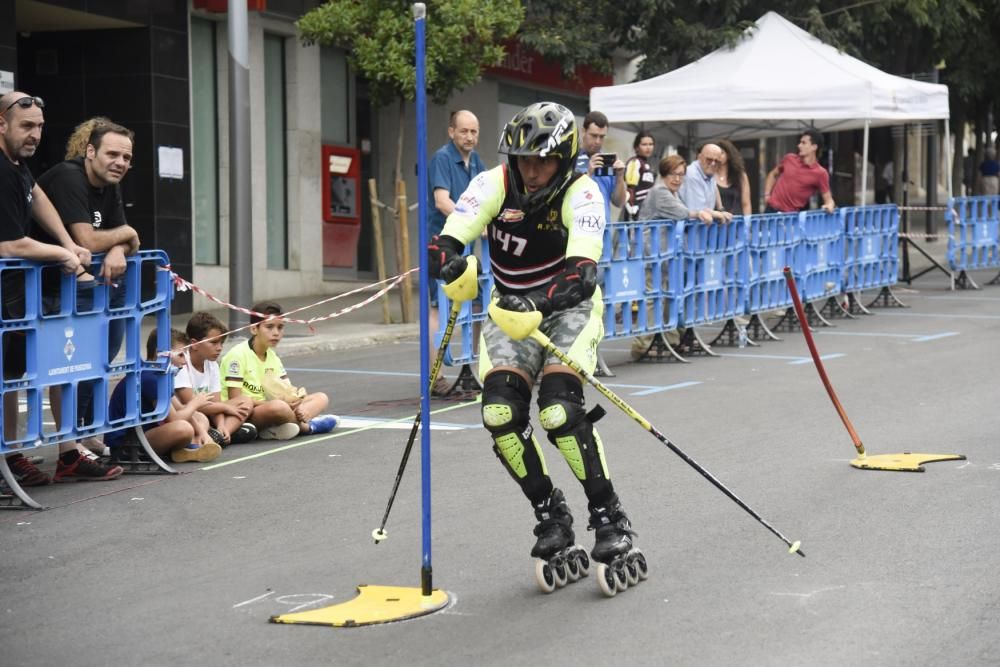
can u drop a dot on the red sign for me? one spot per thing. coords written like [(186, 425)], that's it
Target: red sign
[(524, 64), (222, 6)]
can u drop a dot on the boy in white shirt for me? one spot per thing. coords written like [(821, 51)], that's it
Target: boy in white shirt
[(200, 375)]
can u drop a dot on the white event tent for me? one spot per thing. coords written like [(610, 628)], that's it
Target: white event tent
[(777, 80)]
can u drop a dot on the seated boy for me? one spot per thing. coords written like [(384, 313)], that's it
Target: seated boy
[(200, 376), (252, 366), (183, 434)]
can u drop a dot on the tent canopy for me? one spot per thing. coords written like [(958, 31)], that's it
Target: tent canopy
[(777, 80)]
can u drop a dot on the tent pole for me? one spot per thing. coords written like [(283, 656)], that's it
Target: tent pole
[(864, 165), (949, 155)]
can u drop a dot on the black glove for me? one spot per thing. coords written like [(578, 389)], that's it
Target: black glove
[(576, 283), (526, 303), (445, 260)]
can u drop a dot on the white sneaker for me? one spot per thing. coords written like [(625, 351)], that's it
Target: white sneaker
[(285, 431)]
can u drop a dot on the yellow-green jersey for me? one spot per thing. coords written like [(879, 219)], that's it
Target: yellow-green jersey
[(526, 253), (245, 370)]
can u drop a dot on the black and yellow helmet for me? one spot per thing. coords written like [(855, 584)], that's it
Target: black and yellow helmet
[(543, 129)]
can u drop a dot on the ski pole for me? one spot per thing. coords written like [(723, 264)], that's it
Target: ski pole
[(460, 290), (523, 325), (804, 321)]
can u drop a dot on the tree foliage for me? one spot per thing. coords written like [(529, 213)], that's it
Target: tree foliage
[(463, 37), (899, 36)]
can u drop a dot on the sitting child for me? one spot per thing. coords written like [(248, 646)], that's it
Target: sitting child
[(253, 369), (199, 376), (183, 434)]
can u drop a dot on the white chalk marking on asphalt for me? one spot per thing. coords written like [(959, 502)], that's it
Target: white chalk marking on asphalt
[(655, 390), (292, 599), (781, 357), (355, 422), (822, 357), (339, 434), (811, 593), (965, 298), (946, 334), (916, 338), (252, 600), (950, 316), (24, 523)]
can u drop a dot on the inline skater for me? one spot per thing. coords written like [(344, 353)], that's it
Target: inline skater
[(545, 225)]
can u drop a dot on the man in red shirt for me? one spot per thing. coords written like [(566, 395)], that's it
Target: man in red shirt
[(800, 176)]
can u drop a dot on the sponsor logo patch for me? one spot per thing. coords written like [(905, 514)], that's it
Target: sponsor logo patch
[(511, 215)]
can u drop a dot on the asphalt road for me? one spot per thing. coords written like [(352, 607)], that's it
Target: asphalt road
[(901, 567)]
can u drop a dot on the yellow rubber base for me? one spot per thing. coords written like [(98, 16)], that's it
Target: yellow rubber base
[(373, 605), (905, 462)]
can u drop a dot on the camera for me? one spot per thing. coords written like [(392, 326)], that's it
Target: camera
[(609, 160)]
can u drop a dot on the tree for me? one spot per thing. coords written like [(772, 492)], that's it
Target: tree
[(463, 37)]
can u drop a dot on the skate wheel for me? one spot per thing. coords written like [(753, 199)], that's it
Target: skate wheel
[(584, 560), (560, 574), (631, 572), (621, 576), (572, 568), (543, 576), (606, 580), (641, 565)]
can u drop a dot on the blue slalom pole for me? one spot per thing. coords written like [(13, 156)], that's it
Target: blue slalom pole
[(420, 19)]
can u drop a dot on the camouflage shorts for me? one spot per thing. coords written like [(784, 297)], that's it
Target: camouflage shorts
[(575, 331)]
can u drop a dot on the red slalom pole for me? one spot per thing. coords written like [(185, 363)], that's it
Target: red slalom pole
[(800, 313)]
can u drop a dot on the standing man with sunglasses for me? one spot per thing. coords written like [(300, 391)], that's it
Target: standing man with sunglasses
[(700, 188), (21, 121), (85, 191)]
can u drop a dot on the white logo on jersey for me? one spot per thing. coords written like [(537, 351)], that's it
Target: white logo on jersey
[(97, 218)]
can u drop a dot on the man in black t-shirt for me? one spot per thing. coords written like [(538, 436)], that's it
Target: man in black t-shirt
[(21, 121), (86, 192)]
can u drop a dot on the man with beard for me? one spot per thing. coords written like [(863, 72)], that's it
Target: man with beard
[(21, 121)]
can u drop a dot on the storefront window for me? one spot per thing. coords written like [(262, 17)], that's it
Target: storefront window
[(204, 142), (275, 152)]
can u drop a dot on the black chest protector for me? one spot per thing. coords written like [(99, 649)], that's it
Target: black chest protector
[(526, 252)]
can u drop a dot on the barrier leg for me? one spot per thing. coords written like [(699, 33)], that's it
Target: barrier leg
[(854, 305), (756, 327), (834, 307), (17, 499), (995, 281), (602, 370), (888, 299), (788, 322), (659, 350), (465, 383), (691, 343), (730, 335), (816, 317), (965, 281)]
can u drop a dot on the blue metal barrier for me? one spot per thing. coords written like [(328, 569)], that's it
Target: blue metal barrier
[(772, 240), (66, 346), (461, 350), (871, 246), (642, 277), (819, 259), (715, 271), (973, 233)]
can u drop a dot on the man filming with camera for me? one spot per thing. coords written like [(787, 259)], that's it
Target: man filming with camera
[(607, 170)]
